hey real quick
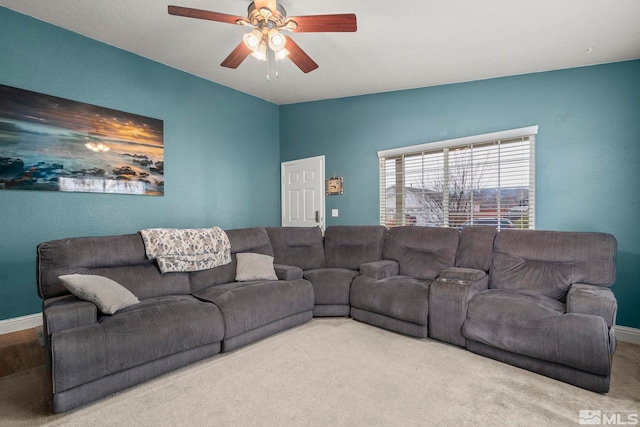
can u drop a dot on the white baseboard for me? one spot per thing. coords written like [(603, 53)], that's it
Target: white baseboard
[(20, 323), (626, 334)]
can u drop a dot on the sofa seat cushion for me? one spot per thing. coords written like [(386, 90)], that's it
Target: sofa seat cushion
[(138, 334), (249, 305), (400, 297), (537, 326), (331, 285), (158, 327)]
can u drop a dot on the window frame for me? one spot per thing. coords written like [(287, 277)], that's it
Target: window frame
[(470, 142)]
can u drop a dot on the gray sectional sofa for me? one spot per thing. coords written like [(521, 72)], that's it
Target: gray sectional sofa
[(534, 299)]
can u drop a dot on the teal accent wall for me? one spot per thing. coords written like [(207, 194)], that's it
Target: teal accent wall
[(587, 149), (217, 170)]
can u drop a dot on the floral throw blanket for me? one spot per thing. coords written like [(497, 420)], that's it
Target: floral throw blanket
[(189, 249)]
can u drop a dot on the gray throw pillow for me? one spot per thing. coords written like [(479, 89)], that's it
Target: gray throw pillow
[(108, 295), (254, 267)]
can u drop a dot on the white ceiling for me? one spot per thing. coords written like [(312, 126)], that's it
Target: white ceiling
[(398, 45)]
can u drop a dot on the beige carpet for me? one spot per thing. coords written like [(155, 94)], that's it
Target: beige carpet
[(337, 372)]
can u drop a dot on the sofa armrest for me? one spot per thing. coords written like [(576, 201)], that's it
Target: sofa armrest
[(287, 272), (460, 274), (594, 300), (380, 269), (68, 312), (449, 297)]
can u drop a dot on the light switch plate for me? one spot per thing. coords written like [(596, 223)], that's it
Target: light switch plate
[(334, 212)]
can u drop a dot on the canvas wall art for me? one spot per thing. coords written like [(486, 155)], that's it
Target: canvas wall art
[(55, 144)]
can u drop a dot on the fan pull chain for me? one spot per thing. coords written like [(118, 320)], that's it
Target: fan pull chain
[(271, 57), (268, 61), (268, 65)]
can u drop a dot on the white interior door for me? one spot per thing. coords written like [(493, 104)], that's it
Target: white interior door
[(303, 193)]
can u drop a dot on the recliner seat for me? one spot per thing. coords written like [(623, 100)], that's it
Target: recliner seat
[(394, 293), (547, 305), (331, 262)]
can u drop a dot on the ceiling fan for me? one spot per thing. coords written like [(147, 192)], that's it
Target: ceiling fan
[(267, 20)]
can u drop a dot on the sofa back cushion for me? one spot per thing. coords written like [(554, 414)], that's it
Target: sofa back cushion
[(120, 258), (298, 246), (549, 262), (421, 252), (349, 246), (476, 247), (254, 240)]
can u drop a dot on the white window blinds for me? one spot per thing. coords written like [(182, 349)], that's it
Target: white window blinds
[(481, 180)]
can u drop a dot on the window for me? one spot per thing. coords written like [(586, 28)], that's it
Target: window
[(480, 180)]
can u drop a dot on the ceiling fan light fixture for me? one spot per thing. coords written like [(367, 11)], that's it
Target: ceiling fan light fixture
[(253, 39), (281, 54), (260, 52), (276, 40)]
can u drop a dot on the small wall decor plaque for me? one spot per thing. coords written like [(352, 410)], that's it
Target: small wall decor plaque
[(334, 185), (55, 144)]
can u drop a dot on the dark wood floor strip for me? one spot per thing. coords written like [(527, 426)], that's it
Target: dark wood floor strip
[(19, 351)]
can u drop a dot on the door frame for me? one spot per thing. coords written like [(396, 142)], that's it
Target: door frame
[(321, 180)]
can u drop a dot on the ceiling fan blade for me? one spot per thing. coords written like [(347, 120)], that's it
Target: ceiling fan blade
[(236, 57), (299, 56), (269, 4), (205, 14), (340, 23)]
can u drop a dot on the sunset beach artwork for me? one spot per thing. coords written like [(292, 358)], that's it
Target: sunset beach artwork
[(55, 144)]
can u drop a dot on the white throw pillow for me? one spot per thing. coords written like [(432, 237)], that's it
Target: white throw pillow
[(254, 267), (108, 295)]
